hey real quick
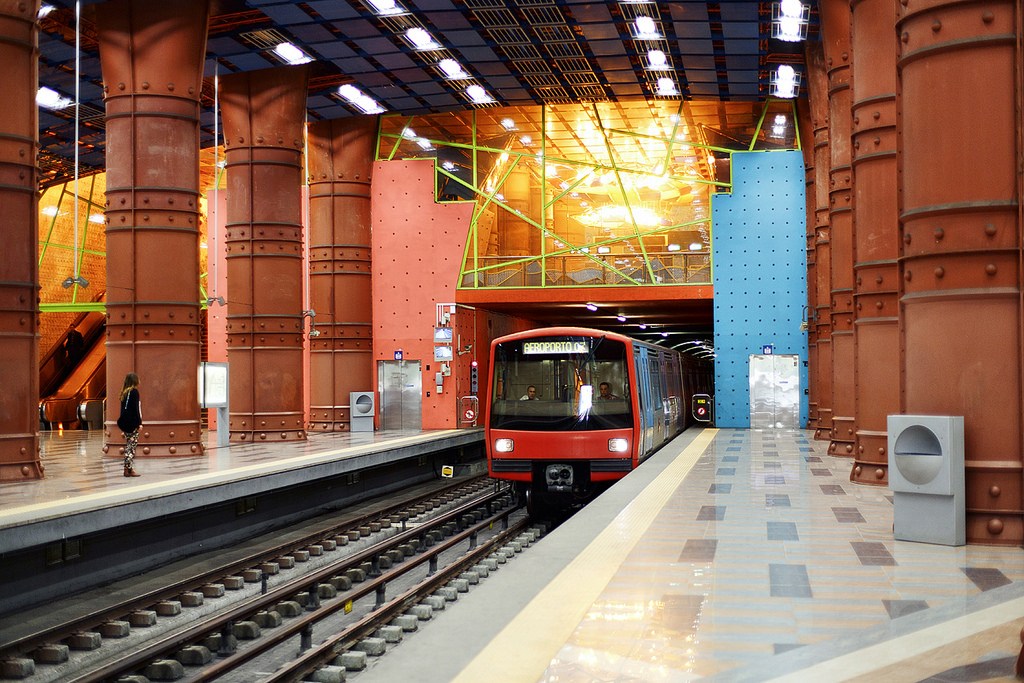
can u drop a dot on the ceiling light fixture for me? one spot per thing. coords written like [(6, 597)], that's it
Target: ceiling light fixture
[(420, 39), (51, 99), (785, 82), (591, 307), (360, 100), (385, 7), (667, 87), (790, 19), (646, 28), (291, 54), (657, 60), (478, 95), (452, 69), (508, 124), (44, 10), (621, 318)]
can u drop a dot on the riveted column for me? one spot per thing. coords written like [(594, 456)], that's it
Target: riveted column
[(341, 156), (876, 236), (819, 273), (19, 231), (835, 21), (264, 114), (960, 157), (152, 59)]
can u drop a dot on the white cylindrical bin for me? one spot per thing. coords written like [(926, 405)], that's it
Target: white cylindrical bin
[(362, 407), (926, 475)]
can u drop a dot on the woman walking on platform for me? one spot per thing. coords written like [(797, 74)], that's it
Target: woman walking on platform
[(130, 421)]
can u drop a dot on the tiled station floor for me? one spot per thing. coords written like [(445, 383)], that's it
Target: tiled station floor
[(732, 555), (737, 556)]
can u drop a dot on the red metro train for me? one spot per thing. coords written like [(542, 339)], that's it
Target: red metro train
[(570, 410)]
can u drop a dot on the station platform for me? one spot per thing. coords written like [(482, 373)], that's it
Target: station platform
[(731, 555), (85, 522)]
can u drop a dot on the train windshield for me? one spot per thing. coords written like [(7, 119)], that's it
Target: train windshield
[(560, 384)]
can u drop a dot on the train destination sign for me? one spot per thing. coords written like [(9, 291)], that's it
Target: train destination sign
[(555, 347)]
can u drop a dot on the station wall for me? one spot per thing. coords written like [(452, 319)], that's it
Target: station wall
[(760, 276)]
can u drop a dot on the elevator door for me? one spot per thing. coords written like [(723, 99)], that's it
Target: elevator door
[(401, 395), (774, 391)]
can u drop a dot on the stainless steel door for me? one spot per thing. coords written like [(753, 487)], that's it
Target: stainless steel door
[(401, 395), (774, 391)]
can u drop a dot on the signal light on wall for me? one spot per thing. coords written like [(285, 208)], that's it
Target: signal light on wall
[(474, 377)]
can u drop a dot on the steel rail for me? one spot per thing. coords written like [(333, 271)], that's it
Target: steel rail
[(171, 642), (118, 609)]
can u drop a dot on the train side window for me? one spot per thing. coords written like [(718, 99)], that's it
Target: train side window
[(657, 390)]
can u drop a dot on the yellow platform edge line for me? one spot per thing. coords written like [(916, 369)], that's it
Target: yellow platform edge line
[(874, 657), (526, 646)]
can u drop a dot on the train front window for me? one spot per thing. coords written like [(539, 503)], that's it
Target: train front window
[(560, 384)]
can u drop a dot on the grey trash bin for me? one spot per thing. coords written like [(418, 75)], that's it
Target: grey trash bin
[(362, 407), (926, 475)]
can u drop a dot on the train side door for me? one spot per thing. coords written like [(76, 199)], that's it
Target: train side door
[(646, 412)]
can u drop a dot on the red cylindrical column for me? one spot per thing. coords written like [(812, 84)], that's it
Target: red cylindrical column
[(835, 27), (341, 154), (152, 59), (264, 113), (876, 235), (19, 230), (806, 129), (960, 155), (819, 274)]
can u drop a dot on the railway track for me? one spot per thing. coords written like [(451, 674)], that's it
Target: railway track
[(258, 611)]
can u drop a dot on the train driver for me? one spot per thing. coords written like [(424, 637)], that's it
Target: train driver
[(606, 391), (530, 395)]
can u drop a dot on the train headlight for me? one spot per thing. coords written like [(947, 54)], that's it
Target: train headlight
[(504, 445), (618, 445)]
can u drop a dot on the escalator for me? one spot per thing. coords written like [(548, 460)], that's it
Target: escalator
[(85, 385), (75, 381)]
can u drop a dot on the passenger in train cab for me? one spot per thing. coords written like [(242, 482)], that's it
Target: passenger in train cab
[(530, 395), (605, 390), (130, 421)]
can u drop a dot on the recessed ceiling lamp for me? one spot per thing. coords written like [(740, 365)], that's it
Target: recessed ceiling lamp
[(291, 54), (97, 218), (621, 318), (591, 307), (790, 19), (51, 99), (44, 10), (642, 326), (452, 69), (646, 28), (667, 87), (696, 246), (657, 60), (420, 39), (785, 82), (360, 100), (526, 140), (448, 166), (508, 124), (385, 7), (478, 95)]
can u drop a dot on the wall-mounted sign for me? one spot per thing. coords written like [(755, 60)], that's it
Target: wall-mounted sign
[(398, 354), (767, 349)]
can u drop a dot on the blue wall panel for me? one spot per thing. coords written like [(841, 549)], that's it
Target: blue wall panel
[(760, 275)]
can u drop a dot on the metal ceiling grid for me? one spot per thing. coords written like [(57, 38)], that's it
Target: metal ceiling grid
[(525, 52)]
